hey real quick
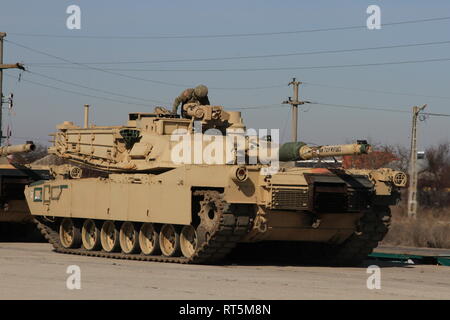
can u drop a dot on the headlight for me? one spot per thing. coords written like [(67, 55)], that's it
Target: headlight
[(239, 174)]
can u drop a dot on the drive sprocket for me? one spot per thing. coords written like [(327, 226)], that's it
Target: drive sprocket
[(210, 213)]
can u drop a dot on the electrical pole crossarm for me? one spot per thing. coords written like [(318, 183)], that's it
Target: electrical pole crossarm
[(295, 102), (12, 66), (422, 107)]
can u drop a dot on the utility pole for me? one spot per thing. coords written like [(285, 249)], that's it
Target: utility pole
[(294, 108), (4, 66), (412, 192)]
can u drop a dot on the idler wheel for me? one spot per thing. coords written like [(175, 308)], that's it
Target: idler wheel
[(69, 234), (148, 239), (129, 237), (90, 235), (109, 237), (169, 241), (188, 241)]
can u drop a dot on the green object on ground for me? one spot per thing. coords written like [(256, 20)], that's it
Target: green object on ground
[(441, 260)]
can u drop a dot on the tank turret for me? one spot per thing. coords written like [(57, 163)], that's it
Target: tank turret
[(145, 143)]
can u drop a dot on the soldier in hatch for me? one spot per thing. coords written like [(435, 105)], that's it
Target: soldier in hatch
[(198, 95)]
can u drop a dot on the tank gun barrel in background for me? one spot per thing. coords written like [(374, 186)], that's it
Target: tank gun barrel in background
[(295, 151), (18, 148)]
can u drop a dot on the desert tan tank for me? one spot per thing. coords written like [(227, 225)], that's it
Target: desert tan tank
[(189, 189), (15, 219)]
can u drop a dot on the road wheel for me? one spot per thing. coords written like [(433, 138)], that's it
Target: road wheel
[(129, 237), (169, 241), (90, 235), (188, 241), (109, 237), (69, 234), (148, 239)]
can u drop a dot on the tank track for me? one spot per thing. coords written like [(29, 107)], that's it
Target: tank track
[(227, 233), (372, 228)]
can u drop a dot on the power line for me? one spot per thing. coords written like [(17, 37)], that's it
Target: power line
[(92, 89), (274, 68), (126, 102), (125, 75), (271, 87), (369, 108), (131, 77), (252, 56), (435, 114), (76, 92), (94, 68), (267, 106), (374, 90), (223, 88), (230, 35), (248, 88), (374, 108), (137, 78)]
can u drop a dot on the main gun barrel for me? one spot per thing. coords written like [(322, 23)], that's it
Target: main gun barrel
[(295, 151), (18, 148)]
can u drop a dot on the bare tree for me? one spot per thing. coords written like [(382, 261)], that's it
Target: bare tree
[(401, 157), (434, 180), (382, 156)]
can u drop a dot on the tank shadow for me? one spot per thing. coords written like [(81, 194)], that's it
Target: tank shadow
[(288, 254), (19, 232)]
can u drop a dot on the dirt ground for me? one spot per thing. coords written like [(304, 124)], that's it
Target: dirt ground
[(34, 271)]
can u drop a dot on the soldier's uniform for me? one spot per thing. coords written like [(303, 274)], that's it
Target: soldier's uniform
[(198, 95)]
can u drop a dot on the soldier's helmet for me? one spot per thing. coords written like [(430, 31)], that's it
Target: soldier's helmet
[(201, 91)]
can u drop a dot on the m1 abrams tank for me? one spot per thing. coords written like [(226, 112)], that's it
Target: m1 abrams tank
[(153, 198), (15, 219)]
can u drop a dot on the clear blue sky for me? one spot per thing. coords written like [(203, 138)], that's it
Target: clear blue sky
[(38, 109)]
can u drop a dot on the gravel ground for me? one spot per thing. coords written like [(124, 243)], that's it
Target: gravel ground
[(34, 271)]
